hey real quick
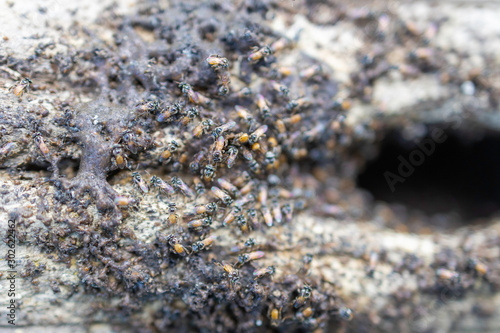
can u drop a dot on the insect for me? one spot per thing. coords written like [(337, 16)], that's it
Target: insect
[(217, 62), (263, 106), (195, 164), (172, 218), (298, 103), (252, 216), (233, 153), (242, 179), (202, 127), (250, 242), (201, 245), (372, 263), (279, 45), (203, 222), (176, 247), (165, 156), (162, 185), (262, 196), (220, 194), (147, 107), (254, 166), (223, 128), (304, 294), (209, 172), (247, 257), (243, 113), (279, 88), (224, 81), (203, 209), (266, 213), (179, 184), (447, 275), (307, 312), (275, 316), (308, 73), (295, 119), (198, 186), (130, 139), (260, 273), (41, 144), (242, 222), (7, 149), (270, 158), (346, 313), (225, 184), (172, 207), (306, 263), (173, 146), (191, 114), (231, 272), (259, 54), (480, 268), (231, 216), (277, 215), (241, 138), (245, 200), (168, 113), (247, 187), (259, 132), (139, 181), (119, 158), (194, 97), (217, 150), (21, 87), (123, 201), (244, 92)]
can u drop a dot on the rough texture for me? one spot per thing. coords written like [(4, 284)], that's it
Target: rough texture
[(97, 253)]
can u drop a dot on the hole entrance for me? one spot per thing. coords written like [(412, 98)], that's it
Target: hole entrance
[(457, 172)]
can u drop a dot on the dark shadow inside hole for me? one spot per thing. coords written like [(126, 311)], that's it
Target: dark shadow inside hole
[(461, 175), (69, 167)]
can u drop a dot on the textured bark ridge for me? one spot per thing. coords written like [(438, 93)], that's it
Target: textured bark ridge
[(195, 166)]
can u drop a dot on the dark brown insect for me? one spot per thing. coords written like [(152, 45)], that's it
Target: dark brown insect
[(162, 185), (221, 195), (247, 257), (260, 273), (217, 150), (179, 184), (19, 88), (41, 145), (123, 201), (201, 245), (194, 97), (147, 107), (223, 128), (217, 62), (7, 149), (263, 106), (233, 153), (190, 116), (259, 132), (304, 294), (168, 113), (139, 181), (224, 81), (259, 54), (231, 272), (203, 222), (119, 158)]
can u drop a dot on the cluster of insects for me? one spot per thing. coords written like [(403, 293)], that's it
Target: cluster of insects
[(229, 167), (212, 152)]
